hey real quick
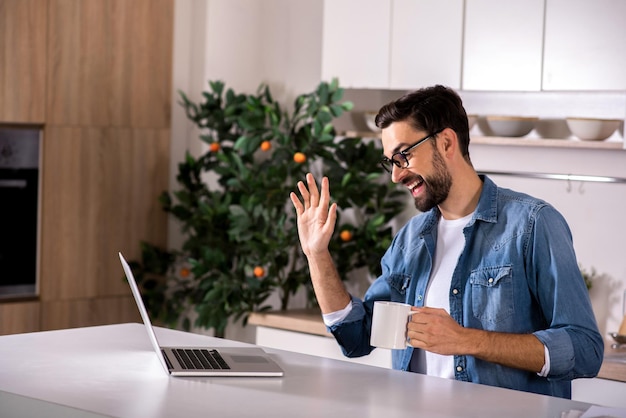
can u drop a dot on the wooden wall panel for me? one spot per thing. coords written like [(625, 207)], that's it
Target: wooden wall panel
[(110, 63), (97, 74), (79, 53), (18, 317), (23, 60), (100, 196), (141, 63), (88, 312)]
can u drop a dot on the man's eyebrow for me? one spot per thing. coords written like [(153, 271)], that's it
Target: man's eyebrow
[(397, 149), (400, 147)]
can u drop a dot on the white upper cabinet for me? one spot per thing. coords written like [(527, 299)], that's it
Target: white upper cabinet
[(392, 44), (426, 43), (355, 42), (503, 45), (585, 46)]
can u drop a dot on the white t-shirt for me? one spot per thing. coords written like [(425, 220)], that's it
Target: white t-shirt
[(450, 243)]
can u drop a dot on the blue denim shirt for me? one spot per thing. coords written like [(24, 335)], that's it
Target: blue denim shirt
[(517, 273)]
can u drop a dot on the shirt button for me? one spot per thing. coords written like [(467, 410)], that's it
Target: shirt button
[(490, 280), (455, 291), (459, 368)]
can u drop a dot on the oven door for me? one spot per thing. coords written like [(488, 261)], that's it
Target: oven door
[(19, 208), (18, 223)]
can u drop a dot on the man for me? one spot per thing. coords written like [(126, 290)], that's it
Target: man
[(492, 272)]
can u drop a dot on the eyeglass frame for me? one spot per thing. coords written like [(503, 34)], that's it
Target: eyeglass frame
[(404, 154)]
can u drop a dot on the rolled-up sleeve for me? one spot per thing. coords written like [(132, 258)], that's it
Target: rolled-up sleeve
[(575, 345)]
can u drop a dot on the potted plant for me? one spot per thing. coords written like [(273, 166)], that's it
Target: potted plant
[(241, 243)]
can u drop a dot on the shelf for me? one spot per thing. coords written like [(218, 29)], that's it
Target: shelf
[(520, 142), (541, 142)]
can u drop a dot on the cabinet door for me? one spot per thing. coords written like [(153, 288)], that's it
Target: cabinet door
[(110, 63), (355, 42), (503, 45), (79, 80), (18, 317), (585, 46), (22, 60), (426, 43), (100, 196)]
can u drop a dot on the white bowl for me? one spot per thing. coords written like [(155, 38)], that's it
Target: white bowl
[(471, 121), (511, 125), (552, 128), (589, 129), (369, 118)]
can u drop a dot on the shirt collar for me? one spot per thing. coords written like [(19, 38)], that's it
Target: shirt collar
[(487, 209)]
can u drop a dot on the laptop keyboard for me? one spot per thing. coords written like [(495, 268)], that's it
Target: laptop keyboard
[(200, 359)]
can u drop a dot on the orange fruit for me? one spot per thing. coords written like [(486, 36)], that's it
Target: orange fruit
[(259, 271), (345, 235), (184, 272), (266, 145), (214, 147), (299, 157)]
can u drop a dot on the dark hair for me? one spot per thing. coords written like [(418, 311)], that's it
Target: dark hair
[(430, 109)]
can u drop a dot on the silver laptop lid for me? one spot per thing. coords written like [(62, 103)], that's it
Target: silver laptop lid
[(144, 313)]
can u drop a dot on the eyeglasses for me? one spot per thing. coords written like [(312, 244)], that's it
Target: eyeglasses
[(401, 159)]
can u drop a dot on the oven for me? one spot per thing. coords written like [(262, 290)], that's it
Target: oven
[(19, 210)]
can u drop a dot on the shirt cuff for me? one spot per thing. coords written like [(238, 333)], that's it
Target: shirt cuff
[(333, 318), (546, 366)]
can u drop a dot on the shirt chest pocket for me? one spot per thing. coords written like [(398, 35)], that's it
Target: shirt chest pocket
[(492, 294), (398, 285)]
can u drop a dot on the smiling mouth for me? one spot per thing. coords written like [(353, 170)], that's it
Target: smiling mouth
[(414, 185)]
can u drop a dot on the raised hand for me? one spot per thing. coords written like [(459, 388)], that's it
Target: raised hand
[(316, 217)]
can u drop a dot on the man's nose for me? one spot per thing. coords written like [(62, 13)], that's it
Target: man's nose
[(396, 173)]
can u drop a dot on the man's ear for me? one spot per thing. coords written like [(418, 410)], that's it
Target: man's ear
[(448, 142)]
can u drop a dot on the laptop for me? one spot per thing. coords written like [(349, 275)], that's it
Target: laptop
[(204, 361)]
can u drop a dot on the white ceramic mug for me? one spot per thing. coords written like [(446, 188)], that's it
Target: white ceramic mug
[(389, 324)]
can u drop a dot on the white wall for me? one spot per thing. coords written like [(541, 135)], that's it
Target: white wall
[(278, 42)]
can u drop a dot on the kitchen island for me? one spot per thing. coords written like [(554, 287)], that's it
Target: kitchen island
[(302, 330), (113, 371)]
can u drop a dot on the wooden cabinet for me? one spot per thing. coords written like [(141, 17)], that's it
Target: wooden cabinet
[(18, 317), (109, 63), (100, 196), (503, 45), (585, 45), (23, 28), (85, 312), (97, 75)]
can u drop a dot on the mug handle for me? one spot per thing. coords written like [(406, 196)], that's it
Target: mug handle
[(408, 316)]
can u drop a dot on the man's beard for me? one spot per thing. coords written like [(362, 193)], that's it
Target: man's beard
[(436, 186)]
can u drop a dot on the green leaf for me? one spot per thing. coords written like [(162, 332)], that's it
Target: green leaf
[(240, 143), (346, 179)]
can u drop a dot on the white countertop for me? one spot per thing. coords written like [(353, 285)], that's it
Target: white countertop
[(112, 371)]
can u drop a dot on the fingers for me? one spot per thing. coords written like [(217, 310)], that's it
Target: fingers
[(313, 191), (324, 199), (304, 192), (296, 203), (310, 194), (329, 226)]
